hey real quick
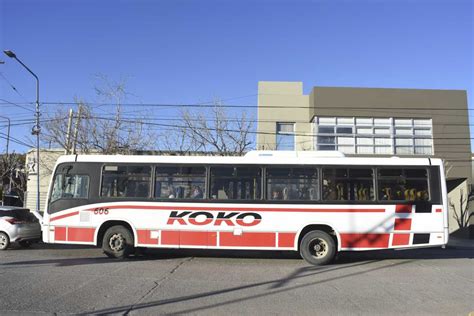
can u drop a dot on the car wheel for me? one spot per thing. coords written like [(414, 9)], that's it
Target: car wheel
[(317, 247), (118, 242), (4, 241)]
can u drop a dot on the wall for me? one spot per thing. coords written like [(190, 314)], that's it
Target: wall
[(447, 108), (283, 102)]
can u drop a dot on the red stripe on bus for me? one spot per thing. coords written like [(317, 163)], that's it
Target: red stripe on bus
[(170, 237), (364, 240), (247, 239), (215, 208), (400, 239), (52, 219), (143, 236), (80, 234), (286, 239), (60, 233), (438, 210), (402, 224), (403, 208)]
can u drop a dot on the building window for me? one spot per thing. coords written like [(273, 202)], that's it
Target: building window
[(285, 138), (379, 136)]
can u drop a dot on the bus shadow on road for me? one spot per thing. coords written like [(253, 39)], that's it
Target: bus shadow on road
[(287, 256)]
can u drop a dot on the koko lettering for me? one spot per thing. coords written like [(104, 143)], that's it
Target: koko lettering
[(205, 218)]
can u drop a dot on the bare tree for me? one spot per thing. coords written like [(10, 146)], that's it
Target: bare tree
[(98, 130), (213, 130), (462, 215), (12, 174)]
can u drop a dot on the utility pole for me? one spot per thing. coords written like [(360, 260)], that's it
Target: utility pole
[(68, 134), (76, 128)]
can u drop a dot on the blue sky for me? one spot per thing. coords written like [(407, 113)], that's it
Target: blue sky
[(195, 51)]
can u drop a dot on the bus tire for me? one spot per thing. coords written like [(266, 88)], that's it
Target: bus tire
[(317, 247), (118, 242)]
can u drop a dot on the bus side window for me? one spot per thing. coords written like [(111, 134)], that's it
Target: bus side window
[(292, 184), (348, 184), (236, 183), (180, 182), (407, 184), (125, 181)]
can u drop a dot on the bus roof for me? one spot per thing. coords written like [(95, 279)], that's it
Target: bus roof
[(258, 157)]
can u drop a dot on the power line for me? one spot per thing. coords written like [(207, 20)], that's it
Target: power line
[(16, 104)]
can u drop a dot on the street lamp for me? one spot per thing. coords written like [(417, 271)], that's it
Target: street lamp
[(36, 129)]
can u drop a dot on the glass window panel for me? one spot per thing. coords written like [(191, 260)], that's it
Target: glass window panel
[(285, 127), (403, 141), (400, 150), (326, 130), (423, 142), (285, 142), (383, 150), (422, 122), (235, 183), (326, 147), (383, 141), (403, 122), (326, 140), (126, 181), (422, 132), (364, 130), (327, 120), (291, 184), (365, 141), (363, 121), (70, 186), (382, 131), (403, 185), (423, 150), (346, 149), (382, 121), (403, 131), (184, 182), (345, 121), (345, 140), (344, 130), (338, 186), (365, 149)]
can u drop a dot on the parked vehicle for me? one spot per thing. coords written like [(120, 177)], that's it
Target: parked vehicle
[(18, 225)]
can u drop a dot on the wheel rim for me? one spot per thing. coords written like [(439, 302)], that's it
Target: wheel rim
[(117, 242), (318, 248), (3, 241)]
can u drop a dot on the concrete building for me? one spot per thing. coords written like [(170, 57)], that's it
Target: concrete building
[(370, 121)]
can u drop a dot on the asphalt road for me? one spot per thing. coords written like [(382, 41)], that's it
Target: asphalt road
[(56, 279)]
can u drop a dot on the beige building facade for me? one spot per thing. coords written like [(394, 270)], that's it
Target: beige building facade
[(367, 122)]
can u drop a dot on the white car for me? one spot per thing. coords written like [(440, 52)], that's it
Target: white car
[(18, 225)]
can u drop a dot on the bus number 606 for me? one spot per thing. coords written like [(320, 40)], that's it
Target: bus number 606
[(100, 211)]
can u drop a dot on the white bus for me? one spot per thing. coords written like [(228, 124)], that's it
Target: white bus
[(314, 203)]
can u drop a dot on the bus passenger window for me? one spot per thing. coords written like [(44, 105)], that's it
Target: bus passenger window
[(343, 184), (180, 182), (236, 183), (407, 184), (125, 181), (70, 186), (292, 184)]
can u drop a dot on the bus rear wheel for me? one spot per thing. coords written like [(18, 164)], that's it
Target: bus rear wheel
[(118, 242), (317, 247)]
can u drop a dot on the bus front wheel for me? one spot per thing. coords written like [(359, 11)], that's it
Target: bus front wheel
[(117, 242), (317, 247)]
